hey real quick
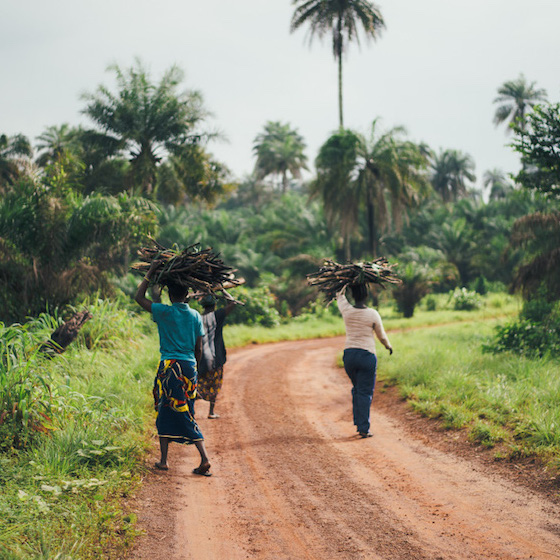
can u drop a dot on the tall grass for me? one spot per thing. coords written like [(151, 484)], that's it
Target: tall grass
[(503, 398), (62, 485)]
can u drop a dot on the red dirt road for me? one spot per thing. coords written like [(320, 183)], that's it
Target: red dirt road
[(291, 480)]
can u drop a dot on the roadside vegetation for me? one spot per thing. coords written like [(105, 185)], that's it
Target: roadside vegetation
[(72, 436), (501, 401)]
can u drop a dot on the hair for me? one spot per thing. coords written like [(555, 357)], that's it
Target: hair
[(208, 301), (176, 291), (359, 292)]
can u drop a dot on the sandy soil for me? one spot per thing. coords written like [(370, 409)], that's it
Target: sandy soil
[(292, 481)]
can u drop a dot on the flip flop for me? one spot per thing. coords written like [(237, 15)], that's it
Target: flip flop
[(366, 434), (202, 472), (213, 416), (161, 467)]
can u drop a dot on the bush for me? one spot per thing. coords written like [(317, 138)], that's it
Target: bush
[(464, 300), (481, 286), (258, 307), (431, 303), (535, 333)]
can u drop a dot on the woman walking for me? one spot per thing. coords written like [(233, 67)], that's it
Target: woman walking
[(360, 360), (180, 334), (211, 367)]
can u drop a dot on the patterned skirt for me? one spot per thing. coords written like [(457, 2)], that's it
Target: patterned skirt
[(174, 392), (209, 384)]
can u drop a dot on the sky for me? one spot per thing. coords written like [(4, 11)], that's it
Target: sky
[(435, 69)]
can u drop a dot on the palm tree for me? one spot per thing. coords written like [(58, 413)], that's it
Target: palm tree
[(12, 150), (382, 173), (150, 120), (456, 241), (341, 18), (390, 170), (538, 237), (496, 181), (515, 97), (415, 284), (279, 150), (451, 170), (54, 142), (335, 183)]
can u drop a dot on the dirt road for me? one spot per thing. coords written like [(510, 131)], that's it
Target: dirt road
[(292, 481)]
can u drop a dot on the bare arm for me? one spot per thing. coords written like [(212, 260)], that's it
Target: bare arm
[(140, 296), (229, 307), (198, 351)]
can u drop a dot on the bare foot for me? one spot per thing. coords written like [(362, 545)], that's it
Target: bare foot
[(161, 466)]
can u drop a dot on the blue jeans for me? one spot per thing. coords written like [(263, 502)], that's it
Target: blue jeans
[(361, 367)]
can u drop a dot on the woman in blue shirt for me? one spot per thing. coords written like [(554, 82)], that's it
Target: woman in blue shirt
[(180, 335)]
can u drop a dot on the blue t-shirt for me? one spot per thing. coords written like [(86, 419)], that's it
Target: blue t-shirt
[(179, 326)]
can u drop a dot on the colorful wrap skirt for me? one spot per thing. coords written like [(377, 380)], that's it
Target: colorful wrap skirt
[(174, 393), (209, 384)]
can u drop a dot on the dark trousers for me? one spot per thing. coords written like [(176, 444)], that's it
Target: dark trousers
[(361, 367)]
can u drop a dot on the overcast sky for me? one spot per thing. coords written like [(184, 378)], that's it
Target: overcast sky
[(435, 69)]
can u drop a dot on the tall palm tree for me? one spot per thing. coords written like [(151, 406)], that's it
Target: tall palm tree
[(341, 18), (451, 170), (515, 97), (150, 120), (279, 150)]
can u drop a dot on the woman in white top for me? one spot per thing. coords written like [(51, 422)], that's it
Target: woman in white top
[(360, 360)]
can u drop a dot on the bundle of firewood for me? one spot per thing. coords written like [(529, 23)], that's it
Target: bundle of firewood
[(199, 270), (332, 277)]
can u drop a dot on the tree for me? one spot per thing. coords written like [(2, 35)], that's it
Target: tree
[(455, 241), (56, 245), (341, 18), (451, 170), (383, 174), (415, 284), (538, 234), (54, 142), (148, 120), (335, 183), (496, 182), (12, 150), (192, 174), (538, 237), (538, 142), (515, 97), (390, 170), (279, 150)]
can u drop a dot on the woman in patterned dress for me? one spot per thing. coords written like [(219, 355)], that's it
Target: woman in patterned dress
[(211, 367), (180, 334)]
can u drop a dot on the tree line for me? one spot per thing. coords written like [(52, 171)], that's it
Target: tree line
[(76, 205)]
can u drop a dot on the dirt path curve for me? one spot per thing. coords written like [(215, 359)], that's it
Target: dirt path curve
[(291, 480)]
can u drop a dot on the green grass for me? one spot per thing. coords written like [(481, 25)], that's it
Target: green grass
[(62, 490), (501, 398), (328, 324)]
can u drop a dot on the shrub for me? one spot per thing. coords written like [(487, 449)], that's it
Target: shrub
[(465, 300), (535, 333), (481, 286), (258, 307)]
